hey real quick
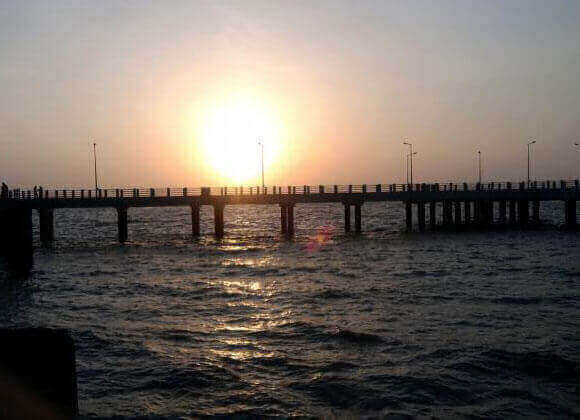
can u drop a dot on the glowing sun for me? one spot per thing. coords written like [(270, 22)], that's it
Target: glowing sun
[(230, 136)]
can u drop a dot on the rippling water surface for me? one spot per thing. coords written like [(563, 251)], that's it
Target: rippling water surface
[(435, 324)]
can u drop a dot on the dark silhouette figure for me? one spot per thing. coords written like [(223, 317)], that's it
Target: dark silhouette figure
[(4, 193)]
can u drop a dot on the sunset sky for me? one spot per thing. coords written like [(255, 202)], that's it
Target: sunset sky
[(177, 92)]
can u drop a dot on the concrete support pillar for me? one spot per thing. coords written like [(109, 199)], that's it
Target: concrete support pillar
[(457, 212), (447, 213), (467, 211), (433, 214), (46, 222), (16, 238), (346, 217), (218, 219), (524, 212), (290, 211), (195, 223), (421, 215), (122, 224), (484, 212), (536, 211), (502, 211), (284, 219), (409, 215), (357, 218), (512, 212), (570, 213)]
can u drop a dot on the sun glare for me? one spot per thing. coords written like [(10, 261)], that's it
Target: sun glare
[(230, 134)]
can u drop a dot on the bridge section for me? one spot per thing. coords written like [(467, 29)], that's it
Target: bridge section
[(446, 205)]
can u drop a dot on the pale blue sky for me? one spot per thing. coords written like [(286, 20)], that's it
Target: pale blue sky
[(349, 80)]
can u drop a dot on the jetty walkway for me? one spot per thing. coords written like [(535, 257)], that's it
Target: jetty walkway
[(461, 204)]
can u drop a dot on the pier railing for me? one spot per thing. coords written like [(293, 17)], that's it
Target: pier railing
[(115, 193)]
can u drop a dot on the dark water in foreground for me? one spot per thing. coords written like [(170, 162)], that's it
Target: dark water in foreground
[(439, 324)]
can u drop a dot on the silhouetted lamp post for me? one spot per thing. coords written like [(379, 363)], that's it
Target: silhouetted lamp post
[(529, 144), (261, 144), (408, 156), (95, 157), (479, 160), (411, 155)]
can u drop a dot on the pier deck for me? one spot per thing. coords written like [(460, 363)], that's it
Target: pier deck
[(462, 204)]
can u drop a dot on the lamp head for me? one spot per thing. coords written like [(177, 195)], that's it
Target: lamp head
[(532, 142)]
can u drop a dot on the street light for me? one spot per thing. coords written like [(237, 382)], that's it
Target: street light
[(411, 156), (529, 144), (479, 158), (408, 156), (95, 157), (261, 144), (577, 145)]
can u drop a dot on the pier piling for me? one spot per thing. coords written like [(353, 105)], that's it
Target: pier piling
[(447, 213), (570, 213), (524, 211), (218, 218), (195, 222), (284, 218), (457, 213), (46, 222), (122, 224), (409, 215), (346, 217), (432, 214), (421, 215), (512, 212), (502, 211), (536, 211), (290, 210), (357, 218)]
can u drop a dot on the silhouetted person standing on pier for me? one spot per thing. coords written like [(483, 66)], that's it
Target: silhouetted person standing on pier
[(4, 193)]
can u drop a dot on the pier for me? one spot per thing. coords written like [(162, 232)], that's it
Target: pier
[(459, 205)]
